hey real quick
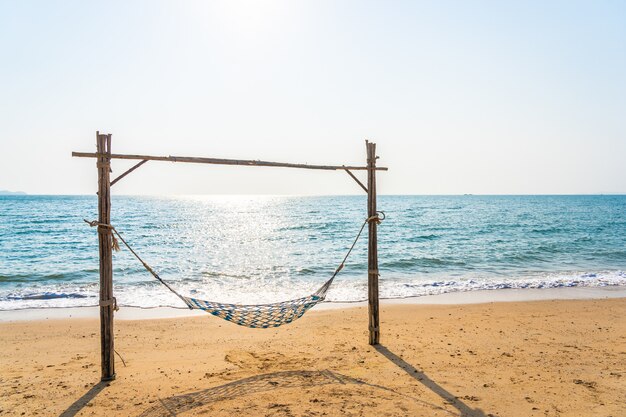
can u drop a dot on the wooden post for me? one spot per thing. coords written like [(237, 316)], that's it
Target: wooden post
[(107, 302), (372, 247)]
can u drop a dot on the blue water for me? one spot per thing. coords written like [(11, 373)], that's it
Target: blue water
[(252, 249)]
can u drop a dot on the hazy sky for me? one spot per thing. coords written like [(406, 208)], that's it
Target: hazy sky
[(494, 97)]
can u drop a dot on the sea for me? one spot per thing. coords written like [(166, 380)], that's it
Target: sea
[(260, 249)]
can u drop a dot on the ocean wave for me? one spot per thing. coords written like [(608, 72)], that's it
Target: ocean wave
[(152, 294), (422, 238), (524, 258), (549, 248), (61, 276), (212, 274), (610, 254), (45, 296), (307, 271), (548, 230), (422, 262), (403, 288)]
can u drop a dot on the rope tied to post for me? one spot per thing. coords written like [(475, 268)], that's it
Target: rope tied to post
[(105, 229), (110, 302), (376, 218)]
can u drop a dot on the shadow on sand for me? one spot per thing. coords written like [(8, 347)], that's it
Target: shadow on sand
[(175, 405), (423, 379), (80, 403)]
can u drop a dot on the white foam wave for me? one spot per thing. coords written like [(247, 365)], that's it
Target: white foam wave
[(151, 294)]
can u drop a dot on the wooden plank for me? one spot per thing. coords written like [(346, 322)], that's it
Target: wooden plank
[(221, 161), (134, 167), (372, 248), (103, 163), (357, 180)]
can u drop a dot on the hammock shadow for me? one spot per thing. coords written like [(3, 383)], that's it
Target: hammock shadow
[(80, 403), (173, 406), (421, 377)]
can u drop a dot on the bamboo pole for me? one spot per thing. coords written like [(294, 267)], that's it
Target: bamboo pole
[(372, 247), (220, 161), (103, 145)]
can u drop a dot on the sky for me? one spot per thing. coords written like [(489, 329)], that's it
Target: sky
[(482, 97)]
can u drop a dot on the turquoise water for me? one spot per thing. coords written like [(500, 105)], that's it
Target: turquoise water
[(251, 249)]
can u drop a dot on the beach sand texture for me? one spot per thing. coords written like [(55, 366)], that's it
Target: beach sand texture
[(539, 358)]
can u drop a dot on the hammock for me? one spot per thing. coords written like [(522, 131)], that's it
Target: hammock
[(256, 316)]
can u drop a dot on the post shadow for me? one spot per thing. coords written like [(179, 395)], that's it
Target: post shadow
[(464, 409), (80, 403)]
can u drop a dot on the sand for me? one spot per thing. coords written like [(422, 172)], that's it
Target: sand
[(537, 358)]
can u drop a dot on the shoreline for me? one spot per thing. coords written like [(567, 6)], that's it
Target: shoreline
[(451, 298)]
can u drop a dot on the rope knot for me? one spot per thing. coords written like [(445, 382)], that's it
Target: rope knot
[(110, 302), (105, 229), (376, 218)]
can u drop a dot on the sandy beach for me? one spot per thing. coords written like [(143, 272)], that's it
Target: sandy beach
[(544, 358), (243, 208)]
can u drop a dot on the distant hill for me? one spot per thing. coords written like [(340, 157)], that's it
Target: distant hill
[(7, 192)]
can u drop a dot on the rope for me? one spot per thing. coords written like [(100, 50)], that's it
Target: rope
[(123, 361), (322, 291), (105, 229), (145, 265), (376, 218)]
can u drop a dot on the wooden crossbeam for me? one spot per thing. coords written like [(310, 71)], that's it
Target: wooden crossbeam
[(220, 161)]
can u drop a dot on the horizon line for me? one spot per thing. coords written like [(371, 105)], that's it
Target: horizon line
[(22, 193)]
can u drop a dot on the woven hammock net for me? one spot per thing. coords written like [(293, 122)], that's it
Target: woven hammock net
[(262, 316)]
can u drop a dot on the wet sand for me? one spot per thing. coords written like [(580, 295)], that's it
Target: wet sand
[(543, 358)]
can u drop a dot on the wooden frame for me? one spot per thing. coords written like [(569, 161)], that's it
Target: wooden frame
[(107, 303)]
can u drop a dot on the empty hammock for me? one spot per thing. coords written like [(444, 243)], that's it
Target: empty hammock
[(255, 316)]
